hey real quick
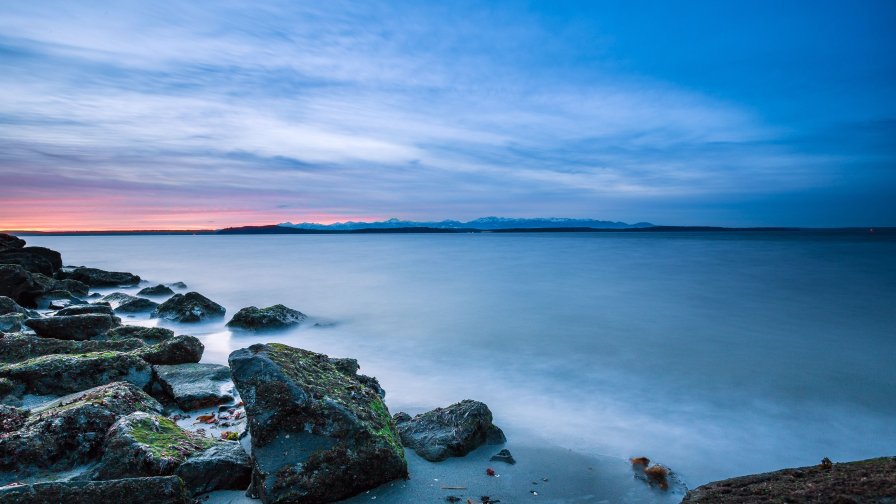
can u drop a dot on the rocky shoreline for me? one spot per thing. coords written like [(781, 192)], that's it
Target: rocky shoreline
[(93, 410)]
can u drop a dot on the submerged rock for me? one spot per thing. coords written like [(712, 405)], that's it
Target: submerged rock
[(73, 327), (71, 430), (21, 347), (17, 284), (147, 334), (317, 433), (224, 466), (195, 386), (177, 350), (449, 432), (178, 285), (189, 307), (154, 490), (100, 278), (503, 456), (126, 303), (64, 374), (85, 309), (865, 481), (272, 317), (157, 290), (144, 444)]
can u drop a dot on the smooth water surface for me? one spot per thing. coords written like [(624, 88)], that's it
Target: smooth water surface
[(716, 354)]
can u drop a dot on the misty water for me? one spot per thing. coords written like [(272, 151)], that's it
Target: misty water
[(716, 354)]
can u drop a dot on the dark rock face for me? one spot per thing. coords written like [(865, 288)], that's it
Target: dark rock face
[(189, 307), (8, 306), (10, 242), (224, 466), (17, 284), (12, 323), (272, 317), (147, 334), (503, 456), (158, 290), (178, 285), (155, 490), (870, 481), (85, 309), (177, 350), (49, 284), (144, 444), (64, 374), (34, 259), (21, 347), (11, 419), (71, 430), (195, 386), (125, 303), (56, 300), (100, 278), (317, 434), (449, 432), (73, 327)]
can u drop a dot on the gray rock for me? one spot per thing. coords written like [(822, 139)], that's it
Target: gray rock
[(21, 347), (189, 307), (195, 386), (70, 430), (449, 432), (74, 327), (224, 466), (272, 317), (503, 456), (17, 284), (157, 290), (125, 303), (317, 434), (147, 334), (64, 374), (154, 490), (144, 444), (100, 278), (177, 350), (84, 309), (178, 285)]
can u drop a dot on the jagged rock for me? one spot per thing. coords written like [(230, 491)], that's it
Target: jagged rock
[(125, 303), (143, 444), (449, 432), (84, 309), (317, 434), (177, 285), (70, 430), (12, 323), (195, 386), (74, 327), (224, 466), (57, 300), (8, 241), (34, 259), (350, 367), (865, 481), (100, 278), (157, 290), (272, 317), (11, 419), (17, 284), (7, 306), (503, 456), (147, 334), (49, 284), (154, 490), (177, 350), (21, 347), (64, 374), (189, 307)]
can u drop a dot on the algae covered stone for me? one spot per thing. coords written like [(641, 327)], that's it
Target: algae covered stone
[(189, 307), (64, 374), (177, 350), (272, 317), (21, 347), (154, 490), (195, 386), (318, 434), (74, 327)]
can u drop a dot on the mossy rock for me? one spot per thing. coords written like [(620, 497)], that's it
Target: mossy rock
[(21, 347), (272, 317), (155, 490), (74, 327), (64, 374), (189, 307)]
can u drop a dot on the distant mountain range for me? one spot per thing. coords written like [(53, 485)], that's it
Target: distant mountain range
[(484, 223)]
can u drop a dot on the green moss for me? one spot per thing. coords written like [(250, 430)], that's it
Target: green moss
[(387, 431), (165, 439)]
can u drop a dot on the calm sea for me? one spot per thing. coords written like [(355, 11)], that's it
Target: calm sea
[(717, 354)]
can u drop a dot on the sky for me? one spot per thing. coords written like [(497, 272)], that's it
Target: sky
[(196, 115)]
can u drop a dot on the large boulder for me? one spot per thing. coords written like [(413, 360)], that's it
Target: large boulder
[(21, 347), (196, 386), (100, 278), (224, 466), (189, 307), (153, 490), (8, 305), (48, 284), (71, 430), (317, 433), (272, 317), (58, 299), (17, 284), (126, 303), (84, 309), (147, 334), (64, 374), (865, 481), (8, 241), (34, 259), (73, 327), (449, 432), (177, 350), (156, 290), (144, 444)]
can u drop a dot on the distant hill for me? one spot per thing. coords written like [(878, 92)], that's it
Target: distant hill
[(484, 223)]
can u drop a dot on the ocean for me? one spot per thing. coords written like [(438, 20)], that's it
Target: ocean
[(716, 354)]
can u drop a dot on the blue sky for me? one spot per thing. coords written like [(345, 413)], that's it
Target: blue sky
[(208, 114)]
